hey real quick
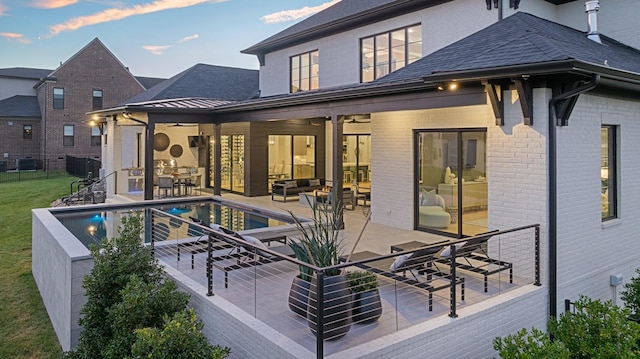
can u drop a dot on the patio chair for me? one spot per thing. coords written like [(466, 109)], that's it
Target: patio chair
[(396, 268), (472, 256)]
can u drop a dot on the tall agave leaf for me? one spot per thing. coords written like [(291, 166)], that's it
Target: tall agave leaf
[(319, 242)]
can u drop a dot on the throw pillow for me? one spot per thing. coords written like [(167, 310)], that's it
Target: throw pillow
[(290, 184), (314, 182), (429, 198), (257, 243), (399, 262), (447, 250)]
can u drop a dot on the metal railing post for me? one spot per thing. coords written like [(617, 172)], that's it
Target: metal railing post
[(149, 224), (210, 265), (319, 314), (537, 257), (452, 304)]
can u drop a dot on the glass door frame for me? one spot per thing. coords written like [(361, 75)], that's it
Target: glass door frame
[(358, 153), (460, 166)]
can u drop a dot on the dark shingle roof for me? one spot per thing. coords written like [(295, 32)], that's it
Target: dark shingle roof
[(339, 17), (205, 81), (25, 72), (149, 82), (521, 39), (20, 106)]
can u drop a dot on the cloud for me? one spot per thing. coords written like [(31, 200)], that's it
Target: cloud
[(11, 36), (156, 50), (119, 13), (2, 9), (188, 38), (52, 4), (288, 15)]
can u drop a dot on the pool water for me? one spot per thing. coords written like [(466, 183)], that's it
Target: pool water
[(92, 226)]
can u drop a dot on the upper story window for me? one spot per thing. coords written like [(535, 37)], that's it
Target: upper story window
[(27, 132), (97, 100), (390, 51), (58, 98), (68, 135), (304, 71), (95, 136), (609, 172)]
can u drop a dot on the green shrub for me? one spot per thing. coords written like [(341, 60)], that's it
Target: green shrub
[(143, 305), (534, 345), (362, 281), (631, 296), (180, 338), (597, 330), (126, 290)]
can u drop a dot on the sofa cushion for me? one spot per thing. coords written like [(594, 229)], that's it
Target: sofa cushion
[(314, 182), (290, 184)]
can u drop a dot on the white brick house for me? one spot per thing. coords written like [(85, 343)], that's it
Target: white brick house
[(542, 128)]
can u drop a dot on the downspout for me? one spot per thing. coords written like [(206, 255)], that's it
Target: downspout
[(553, 189)]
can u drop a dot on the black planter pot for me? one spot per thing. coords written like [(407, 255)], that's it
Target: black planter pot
[(367, 306), (299, 296), (337, 307)]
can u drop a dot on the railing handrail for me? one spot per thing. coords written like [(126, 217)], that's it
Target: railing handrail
[(238, 240)]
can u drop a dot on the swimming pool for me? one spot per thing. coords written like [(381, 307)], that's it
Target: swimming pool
[(91, 226)]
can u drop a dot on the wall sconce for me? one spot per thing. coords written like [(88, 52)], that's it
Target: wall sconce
[(450, 86), (97, 121)]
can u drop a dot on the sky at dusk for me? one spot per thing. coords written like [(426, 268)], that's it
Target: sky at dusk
[(157, 38)]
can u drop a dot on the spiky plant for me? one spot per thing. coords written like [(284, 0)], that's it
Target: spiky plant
[(319, 242)]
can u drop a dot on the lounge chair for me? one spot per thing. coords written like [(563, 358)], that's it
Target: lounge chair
[(247, 256), (420, 260), (200, 244), (472, 256)]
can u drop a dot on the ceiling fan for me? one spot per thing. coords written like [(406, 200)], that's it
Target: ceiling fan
[(358, 119), (178, 124)]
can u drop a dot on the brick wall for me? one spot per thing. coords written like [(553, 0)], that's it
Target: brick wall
[(589, 251), (93, 67)]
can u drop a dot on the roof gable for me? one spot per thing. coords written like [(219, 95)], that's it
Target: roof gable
[(205, 81), (93, 47), (521, 39), (340, 17)]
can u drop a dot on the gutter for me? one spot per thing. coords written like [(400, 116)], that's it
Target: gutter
[(553, 189)]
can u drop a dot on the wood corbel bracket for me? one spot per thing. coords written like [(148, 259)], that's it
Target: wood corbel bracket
[(525, 94), (495, 90), (564, 107)]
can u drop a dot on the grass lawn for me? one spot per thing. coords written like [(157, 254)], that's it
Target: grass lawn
[(25, 329)]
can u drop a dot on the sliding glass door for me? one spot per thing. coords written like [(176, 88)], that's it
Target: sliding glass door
[(291, 157), (356, 157), (451, 181)]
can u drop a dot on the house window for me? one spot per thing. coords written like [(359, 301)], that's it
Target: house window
[(608, 172), (68, 136), (58, 98), (95, 136), (304, 71), (97, 100), (27, 132), (390, 51)]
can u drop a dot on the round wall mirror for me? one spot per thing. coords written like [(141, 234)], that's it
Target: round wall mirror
[(176, 151), (160, 141)]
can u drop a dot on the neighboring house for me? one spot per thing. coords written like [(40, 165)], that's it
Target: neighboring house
[(512, 122), (42, 112)]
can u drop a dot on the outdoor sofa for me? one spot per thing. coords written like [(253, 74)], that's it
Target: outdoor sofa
[(289, 188)]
